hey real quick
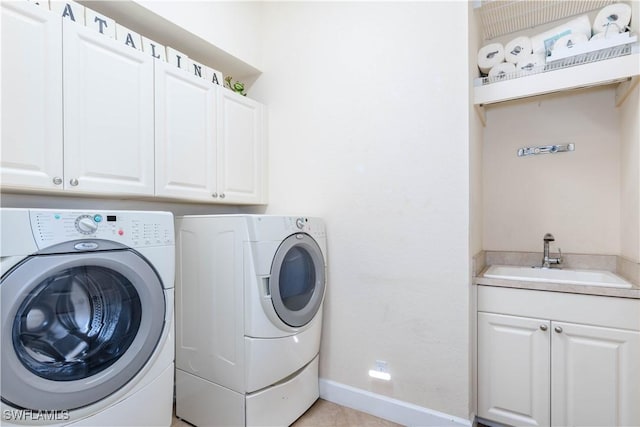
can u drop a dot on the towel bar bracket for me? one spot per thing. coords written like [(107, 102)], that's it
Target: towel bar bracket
[(545, 149)]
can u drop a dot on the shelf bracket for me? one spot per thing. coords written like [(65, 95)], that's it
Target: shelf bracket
[(481, 114), (624, 89)]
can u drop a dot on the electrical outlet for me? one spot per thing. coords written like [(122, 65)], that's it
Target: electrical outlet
[(380, 371), (382, 366)]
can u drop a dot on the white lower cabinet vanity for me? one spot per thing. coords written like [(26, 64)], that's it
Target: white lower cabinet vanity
[(559, 359)]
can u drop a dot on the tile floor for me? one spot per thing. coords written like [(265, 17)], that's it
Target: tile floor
[(326, 414)]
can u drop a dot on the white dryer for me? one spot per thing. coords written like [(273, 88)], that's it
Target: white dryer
[(87, 317), (249, 295)]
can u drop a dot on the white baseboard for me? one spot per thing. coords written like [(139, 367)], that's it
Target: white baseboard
[(385, 407)]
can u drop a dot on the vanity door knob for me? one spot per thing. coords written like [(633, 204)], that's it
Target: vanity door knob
[(74, 182), (222, 196), (558, 329), (214, 195), (543, 327), (57, 180)]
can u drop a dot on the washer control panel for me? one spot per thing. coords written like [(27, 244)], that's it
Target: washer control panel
[(87, 224), (130, 228)]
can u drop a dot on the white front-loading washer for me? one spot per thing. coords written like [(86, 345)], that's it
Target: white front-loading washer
[(249, 294), (87, 317)]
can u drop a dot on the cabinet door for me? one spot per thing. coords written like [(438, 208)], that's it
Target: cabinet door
[(31, 154), (108, 114), (241, 150), (596, 376), (513, 369), (185, 116)]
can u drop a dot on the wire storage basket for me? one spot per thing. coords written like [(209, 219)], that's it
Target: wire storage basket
[(620, 45)]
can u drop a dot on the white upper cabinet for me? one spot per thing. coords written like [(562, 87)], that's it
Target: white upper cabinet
[(241, 149), (185, 122), (31, 155), (83, 113), (105, 91), (209, 141), (108, 115)]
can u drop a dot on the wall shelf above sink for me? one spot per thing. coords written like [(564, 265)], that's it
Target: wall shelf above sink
[(615, 70), (612, 62)]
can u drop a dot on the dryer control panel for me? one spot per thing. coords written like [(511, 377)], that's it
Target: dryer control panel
[(310, 225), (134, 229)]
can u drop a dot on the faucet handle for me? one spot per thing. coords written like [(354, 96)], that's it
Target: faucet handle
[(548, 237), (559, 255)]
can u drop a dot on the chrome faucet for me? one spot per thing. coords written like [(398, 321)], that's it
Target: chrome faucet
[(547, 261)]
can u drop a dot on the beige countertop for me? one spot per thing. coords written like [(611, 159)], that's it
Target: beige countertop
[(611, 263), (633, 292)]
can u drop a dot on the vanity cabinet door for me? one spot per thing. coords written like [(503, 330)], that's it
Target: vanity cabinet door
[(31, 156), (596, 376), (513, 369)]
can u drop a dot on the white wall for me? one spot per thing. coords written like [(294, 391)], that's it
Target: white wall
[(630, 176), (630, 167), (476, 212), (368, 115), (233, 26), (575, 196)]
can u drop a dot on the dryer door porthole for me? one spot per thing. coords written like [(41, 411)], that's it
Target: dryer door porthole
[(77, 327), (297, 280)]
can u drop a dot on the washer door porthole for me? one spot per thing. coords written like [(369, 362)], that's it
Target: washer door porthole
[(76, 323), (75, 328), (297, 280)]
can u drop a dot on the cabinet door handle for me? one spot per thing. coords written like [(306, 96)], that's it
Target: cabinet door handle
[(214, 195), (222, 195), (543, 327), (558, 329), (57, 180), (73, 181)]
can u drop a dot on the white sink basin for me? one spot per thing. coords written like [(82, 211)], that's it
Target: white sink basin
[(568, 276)]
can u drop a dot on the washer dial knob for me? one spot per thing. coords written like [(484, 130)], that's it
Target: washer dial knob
[(86, 225), (300, 223)]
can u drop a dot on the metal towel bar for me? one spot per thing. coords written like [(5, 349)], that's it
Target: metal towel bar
[(545, 149)]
